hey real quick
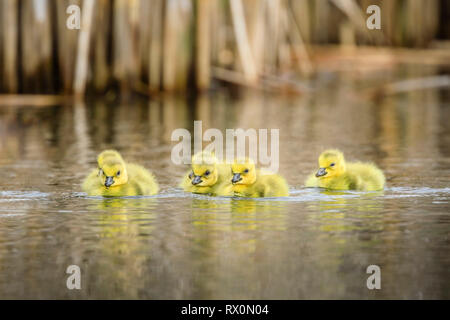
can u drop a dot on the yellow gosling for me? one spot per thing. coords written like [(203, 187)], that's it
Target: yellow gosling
[(208, 176), (251, 182), (334, 173), (116, 178)]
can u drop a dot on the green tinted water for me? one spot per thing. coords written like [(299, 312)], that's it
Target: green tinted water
[(313, 244)]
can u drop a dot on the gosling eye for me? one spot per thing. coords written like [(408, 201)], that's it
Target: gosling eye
[(246, 171), (191, 175), (332, 165), (118, 173), (207, 173), (100, 172)]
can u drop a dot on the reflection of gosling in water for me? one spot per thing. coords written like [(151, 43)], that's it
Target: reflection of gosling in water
[(208, 176), (335, 173), (251, 182), (115, 178)]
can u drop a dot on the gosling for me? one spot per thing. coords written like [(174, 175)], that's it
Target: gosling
[(208, 176), (116, 178), (252, 183), (335, 174)]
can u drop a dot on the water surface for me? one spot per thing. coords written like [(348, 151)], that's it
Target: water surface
[(313, 244)]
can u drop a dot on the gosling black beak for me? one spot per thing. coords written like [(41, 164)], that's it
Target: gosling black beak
[(109, 182), (321, 172), (196, 180), (236, 177)]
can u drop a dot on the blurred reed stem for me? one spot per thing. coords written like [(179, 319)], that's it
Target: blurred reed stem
[(155, 52), (202, 43), (81, 66), (9, 36)]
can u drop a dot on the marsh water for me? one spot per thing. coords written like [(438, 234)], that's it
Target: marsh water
[(314, 244)]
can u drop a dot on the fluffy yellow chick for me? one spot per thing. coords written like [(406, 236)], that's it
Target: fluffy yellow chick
[(116, 178), (334, 173), (208, 176), (251, 182)]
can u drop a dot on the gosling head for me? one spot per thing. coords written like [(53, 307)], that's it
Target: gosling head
[(244, 172), (204, 171), (331, 164), (112, 170)]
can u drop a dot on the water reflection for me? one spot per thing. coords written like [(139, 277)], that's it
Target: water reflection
[(346, 212), (313, 244)]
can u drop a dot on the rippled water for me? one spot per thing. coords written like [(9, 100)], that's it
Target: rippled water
[(313, 244)]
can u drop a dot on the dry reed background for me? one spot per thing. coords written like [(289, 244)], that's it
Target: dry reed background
[(174, 45)]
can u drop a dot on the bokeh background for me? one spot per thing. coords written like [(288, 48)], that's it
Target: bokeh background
[(178, 45)]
